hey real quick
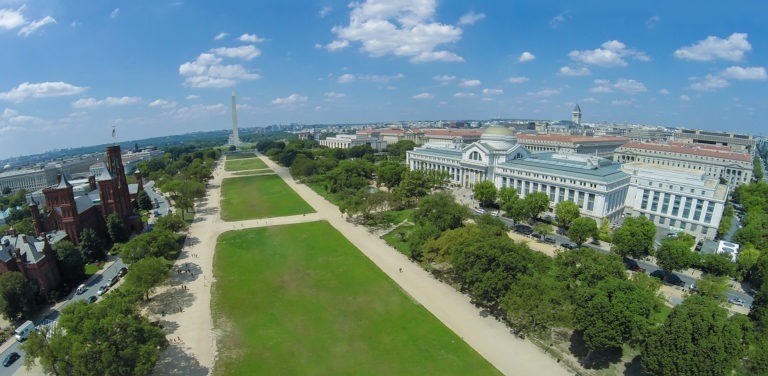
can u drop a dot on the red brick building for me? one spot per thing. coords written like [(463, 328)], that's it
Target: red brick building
[(32, 257)]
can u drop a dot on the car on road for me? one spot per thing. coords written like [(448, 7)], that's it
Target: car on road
[(81, 289), (536, 236), (637, 268), (10, 359), (122, 272), (479, 211), (549, 239), (102, 290), (736, 301), (91, 299), (658, 273), (569, 245), (114, 280)]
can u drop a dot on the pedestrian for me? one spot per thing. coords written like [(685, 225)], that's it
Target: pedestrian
[(401, 270)]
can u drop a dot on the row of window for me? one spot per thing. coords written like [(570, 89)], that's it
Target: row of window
[(651, 203)]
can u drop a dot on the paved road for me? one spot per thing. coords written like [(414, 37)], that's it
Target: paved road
[(53, 315)]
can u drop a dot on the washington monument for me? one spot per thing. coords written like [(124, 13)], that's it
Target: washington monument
[(235, 139)]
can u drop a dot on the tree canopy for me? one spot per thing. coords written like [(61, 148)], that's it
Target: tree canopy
[(17, 296), (71, 262), (146, 274), (485, 192), (635, 237), (566, 212), (441, 210), (582, 229)]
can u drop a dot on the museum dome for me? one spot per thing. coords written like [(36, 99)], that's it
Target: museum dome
[(499, 137)]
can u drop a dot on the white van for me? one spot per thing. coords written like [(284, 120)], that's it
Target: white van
[(23, 331), (80, 289)]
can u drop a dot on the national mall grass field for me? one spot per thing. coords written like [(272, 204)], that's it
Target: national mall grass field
[(301, 300), (263, 196), (244, 164)]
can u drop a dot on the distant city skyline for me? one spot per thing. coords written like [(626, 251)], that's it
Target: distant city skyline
[(73, 70)]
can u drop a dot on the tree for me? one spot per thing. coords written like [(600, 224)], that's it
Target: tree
[(582, 229), (587, 267), (71, 262), (146, 274), (757, 164), (718, 264), (145, 203), (635, 237), (172, 223), (116, 229), (390, 173), (485, 192), (566, 212), (748, 256), (91, 246), (543, 228), (17, 296), (440, 210), (698, 338), (506, 196), (536, 202), (711, 285), (109, 338), (7, 190), (613, 313), (398, 149), (674, 254), (605, 231), (517, 210)]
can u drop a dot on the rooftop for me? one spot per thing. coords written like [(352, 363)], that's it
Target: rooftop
[(692, 149), (570, 138)]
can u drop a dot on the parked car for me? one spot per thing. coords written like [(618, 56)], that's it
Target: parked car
[(536, 236), (114, 280), (102, 290), (10, 359), (81, 289), (523, 229), (91, 299), (569, 245), (736, 301), (122, 272), (549, 239), (637, 268), (658, 273)]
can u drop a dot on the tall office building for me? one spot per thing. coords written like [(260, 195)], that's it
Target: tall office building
[(235, 140)]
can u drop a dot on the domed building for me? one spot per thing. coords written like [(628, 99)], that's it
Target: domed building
[(595, 184)]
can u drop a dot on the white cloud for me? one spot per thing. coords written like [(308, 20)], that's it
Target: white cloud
[(207, 71), (610, 54), (713, 48), (742, 73), (526, 57), (664, 92), (622, 84), (559, 19), (464, 95), (444, 79), (710, 83), (345, 78), (382, 79), (470, 18), (334, 95), (397, 27), (220, 36), (622, 102), (652, 22), (544, 93), (108, 102), (423, 96), (34, 25), (193, 96), (40, 90), (517, 80), (493, 91), (469, 83), (74, 24), (250, 38), (162, 103), (324, 12), (11, 19), (574, 72), (198, 111), (685, 98), (113, 14), (333, 46), (293, 99), (247, 52), (589, 100)]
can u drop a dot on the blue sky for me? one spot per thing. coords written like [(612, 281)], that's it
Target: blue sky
[(74, 69)]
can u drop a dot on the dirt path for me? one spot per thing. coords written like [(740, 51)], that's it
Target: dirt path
[(194, 353)]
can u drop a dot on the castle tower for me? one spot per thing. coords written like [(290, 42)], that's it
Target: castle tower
[(113, 186), (37, 220), (235, 137), (62, 196), (576, 115)]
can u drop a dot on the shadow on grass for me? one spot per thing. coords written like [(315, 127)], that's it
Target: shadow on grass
[(592, 359), (634, 368)]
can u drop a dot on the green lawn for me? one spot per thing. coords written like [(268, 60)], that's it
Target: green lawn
[(251, 197), (302, 300), (240, 156), (244, 164), (400, 243)]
